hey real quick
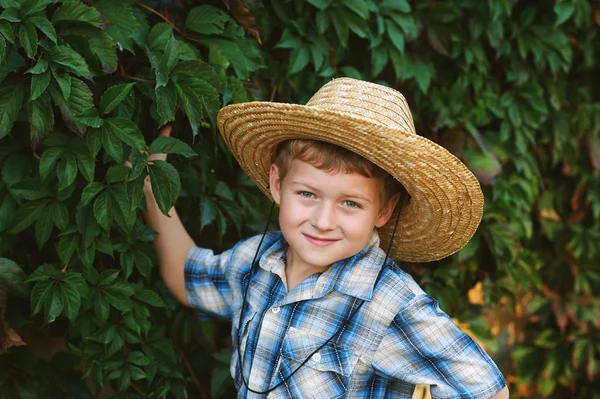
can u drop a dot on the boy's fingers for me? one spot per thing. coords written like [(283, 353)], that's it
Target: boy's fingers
[(165, 131)]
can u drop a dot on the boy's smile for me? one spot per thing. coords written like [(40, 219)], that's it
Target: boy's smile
[(325, 216)]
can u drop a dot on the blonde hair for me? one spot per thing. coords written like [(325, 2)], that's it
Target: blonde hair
[(332, 158)]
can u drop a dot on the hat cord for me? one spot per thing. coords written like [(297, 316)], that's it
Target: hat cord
[(346, 322)]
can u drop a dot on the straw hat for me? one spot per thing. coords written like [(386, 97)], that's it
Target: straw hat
[(375, 122)]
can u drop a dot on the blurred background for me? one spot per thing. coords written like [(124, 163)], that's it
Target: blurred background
[(511, 87)]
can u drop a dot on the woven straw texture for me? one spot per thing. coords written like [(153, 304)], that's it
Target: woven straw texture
[(375, 122)]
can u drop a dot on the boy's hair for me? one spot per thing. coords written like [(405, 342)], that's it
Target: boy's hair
[(332, 158)]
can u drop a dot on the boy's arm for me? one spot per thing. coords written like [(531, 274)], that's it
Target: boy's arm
[(172, 246), (503, 394), (423, 346), (173, 242)]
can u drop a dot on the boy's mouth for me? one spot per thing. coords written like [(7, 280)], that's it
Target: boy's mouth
[(319, 242)]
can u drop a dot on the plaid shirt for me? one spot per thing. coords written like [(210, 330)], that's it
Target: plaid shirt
[(398, 338)]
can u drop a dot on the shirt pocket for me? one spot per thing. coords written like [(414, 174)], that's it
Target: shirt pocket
[(327, 372)]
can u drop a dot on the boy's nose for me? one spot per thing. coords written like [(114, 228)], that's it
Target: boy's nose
[(324, 217)]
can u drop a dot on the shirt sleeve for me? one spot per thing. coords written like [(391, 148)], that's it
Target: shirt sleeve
[(206, 281), (423, 346)]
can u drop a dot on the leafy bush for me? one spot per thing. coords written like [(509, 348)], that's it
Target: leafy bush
[(505, 85)]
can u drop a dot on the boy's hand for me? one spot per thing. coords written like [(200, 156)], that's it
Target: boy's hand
[(173, 242), (165, 131)]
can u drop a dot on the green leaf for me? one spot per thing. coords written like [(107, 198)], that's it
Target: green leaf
[(396, 5), (11, 99), (67, 245), (80, 98), (483, 164), (64, 83), (138, 358), (43, 228), (33, 6), (91, 121), (13, 276), (45, 26), (41, 116), (103, 47), (39, 83), (323, 22), (359, 7), (111, 143), (167, 62), (150, 297), (8, 208), (171, 145), (103, 210), (60, 214), (2, 49), (289, 39), (564, 11), (11, 15), (197, 96), (44, 295), (208, 211), (123, 23), (44, 272), (206, 20), (87, 165), (77, 11), (165, 185), (66, 170), (125, 130), (29, 189), (71, 287), (341, 28), (118, 294), (159, 36), (166, 101), (299, 59), (197, 69), (70, 59), (395, 35), (90, 191), (320, 4), (7, 31), (113, 96), (28, 38), (27, 214), (49, 159), (40, 67), (117, 173), (379, 60)]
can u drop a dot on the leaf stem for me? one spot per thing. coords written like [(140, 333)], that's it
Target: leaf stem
[(167, 20), (64, 269), (194, 378), (140, 79)]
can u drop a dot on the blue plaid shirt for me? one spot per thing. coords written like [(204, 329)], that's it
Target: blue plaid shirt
[(397, 339)]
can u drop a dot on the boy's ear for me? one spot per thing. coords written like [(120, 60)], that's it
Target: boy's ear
[(275, 183), (387, 210)]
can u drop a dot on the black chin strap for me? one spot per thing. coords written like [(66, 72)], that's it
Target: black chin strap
[(346, 322)]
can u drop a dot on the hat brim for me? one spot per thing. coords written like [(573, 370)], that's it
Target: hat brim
[(446, 202)]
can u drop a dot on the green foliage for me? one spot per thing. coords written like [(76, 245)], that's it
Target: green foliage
[(506, 86)]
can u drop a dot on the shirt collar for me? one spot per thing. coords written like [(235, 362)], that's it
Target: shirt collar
[(354, 276)]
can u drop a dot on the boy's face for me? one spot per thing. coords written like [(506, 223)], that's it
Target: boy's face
[(326, 217)]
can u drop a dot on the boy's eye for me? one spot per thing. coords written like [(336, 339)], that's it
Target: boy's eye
[(350, 204), (306, 194)]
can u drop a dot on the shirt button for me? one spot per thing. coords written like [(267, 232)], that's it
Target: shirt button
[(276, 309), (316, 357)]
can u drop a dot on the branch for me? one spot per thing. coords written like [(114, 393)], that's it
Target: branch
[(167, 20)]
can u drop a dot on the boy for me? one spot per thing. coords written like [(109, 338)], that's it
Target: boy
[(318, 310)]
